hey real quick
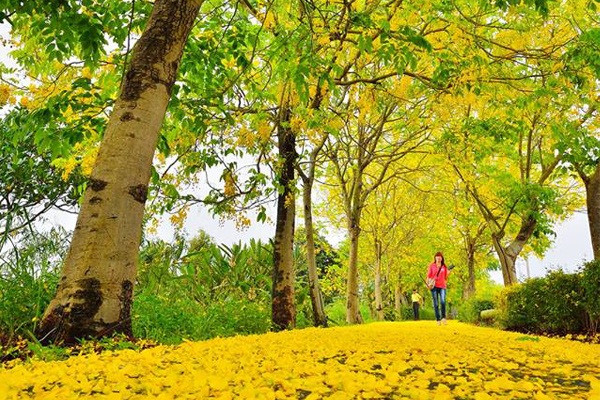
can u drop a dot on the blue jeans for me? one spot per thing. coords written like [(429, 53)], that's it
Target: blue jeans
[(439, 299)]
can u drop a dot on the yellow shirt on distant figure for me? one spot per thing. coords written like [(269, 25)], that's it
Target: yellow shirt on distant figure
[(416, 297)]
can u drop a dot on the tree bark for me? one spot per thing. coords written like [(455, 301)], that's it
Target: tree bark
[(508, 255), (469, 289), (308, 179), (316, 298), (378, 294), (283, 302), (507, 263), (94, 295), (352, 297), (353, 206), (592, 189), (398, 300)]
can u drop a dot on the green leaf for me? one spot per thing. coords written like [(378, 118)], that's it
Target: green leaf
[(365, 43)]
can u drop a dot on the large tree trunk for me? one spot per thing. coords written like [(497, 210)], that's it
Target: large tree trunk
[(592, 189), (95, 291), (318, 308), (283, 302), (508, 255)]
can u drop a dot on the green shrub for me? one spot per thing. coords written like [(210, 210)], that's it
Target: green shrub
[(336, 312), (29, 275), (590, 282), (164, 319), (406, 313), (520, 306), (240, 317), (198, 290), (489, 316), (549, 305), (23, 300), (304, 311), (427, 313), (564, 312), (171, 320), (470, 310)]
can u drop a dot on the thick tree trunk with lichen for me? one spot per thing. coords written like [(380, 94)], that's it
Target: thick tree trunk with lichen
[(283, 304), (95, 291)]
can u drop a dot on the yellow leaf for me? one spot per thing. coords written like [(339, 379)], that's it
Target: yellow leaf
[(541, 396)]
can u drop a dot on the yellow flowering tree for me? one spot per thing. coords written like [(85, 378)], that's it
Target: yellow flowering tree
[(57, 84), (504, 113)]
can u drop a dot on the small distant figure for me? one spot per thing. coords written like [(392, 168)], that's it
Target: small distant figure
[(417, 301)]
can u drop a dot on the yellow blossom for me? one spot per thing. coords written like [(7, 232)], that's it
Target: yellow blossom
[(323, 40), (5, 94), (25, 102), (229, 62), (269, 20), (264, 131)]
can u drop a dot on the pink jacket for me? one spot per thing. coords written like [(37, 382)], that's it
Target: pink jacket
[(442, 278)]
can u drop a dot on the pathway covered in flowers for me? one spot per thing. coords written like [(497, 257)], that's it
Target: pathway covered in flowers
[(388, 360)]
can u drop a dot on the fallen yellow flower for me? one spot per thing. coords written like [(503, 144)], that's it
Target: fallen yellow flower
[(386, 360)]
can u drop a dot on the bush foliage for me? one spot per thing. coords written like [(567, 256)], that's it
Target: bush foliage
[(28, 278), (470, 310), (170, 321), (558, 303)]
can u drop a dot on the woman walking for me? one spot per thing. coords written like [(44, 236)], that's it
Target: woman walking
[(437, 277)]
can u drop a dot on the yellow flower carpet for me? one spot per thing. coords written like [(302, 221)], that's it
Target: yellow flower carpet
[(387, 360)]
